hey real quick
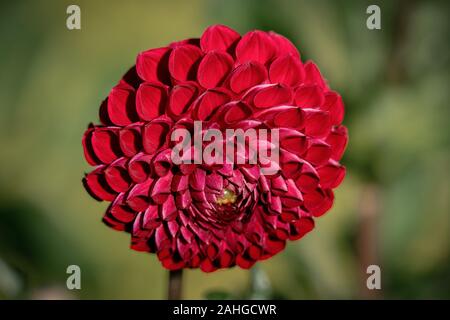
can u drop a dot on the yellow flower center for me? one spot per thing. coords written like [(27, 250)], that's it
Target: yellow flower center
[(228, 197)]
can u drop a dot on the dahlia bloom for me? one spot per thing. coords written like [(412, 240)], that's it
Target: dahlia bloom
[(212, 215)]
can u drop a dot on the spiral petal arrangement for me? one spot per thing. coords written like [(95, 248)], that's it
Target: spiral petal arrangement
[(211, 215)]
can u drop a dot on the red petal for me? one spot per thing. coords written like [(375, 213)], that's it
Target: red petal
[(293, 141), (319, 201), (162, 162), (274, 246), (139, 167), (281, 231), (283, 45), (207, 265), (161, 188), (192, 41), (275, 205), (152, 65), (213, 69), (289, 118), (151, 100), (169, 209), (183, 199), (318, 153), (254, 252), (273, 95), (247, 75), (331, 175), (120, 211), (154, 136), (137, 198), (293, 197), (291, 164), (105, 145), (181, 97), (214, 181), (335, 106), (151, 218), (279, 183), (244, 263), (130, 140), (197, 180), (113, 223), (120, 105), (308, 180), (235, 112), (337, 139), (301, 227), (180, 182), (219, 38), (89, 153), (131, 78), (309, 96), (317, 123), (313, 76), (287, 70), (208, 102), (226, 259), (97, 186), (162, 240), (117, 177), (183, 61), (255, 46)]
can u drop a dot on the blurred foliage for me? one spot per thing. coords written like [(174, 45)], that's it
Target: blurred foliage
[(395, 85)]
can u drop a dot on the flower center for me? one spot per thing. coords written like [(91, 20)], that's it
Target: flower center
[(228, 198)]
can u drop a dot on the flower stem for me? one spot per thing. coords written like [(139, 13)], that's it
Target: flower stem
[(175, 281)]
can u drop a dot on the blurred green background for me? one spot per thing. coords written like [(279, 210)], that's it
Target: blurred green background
[(392, 209)]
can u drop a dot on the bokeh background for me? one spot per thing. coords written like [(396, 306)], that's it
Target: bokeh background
[(392, 209)]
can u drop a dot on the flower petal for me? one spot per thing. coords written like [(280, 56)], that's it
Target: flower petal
[(234, 112), (183, 62), (168, 210), (155, 135), (208, 103), (151, 100), (317, 123), (120, 105), (273, 95), (337, 139), (152, 65), (117, 177), (247, 75), (139, 167), (181, 97), (218, 38), (313, 76), (213, 69), (283, 45), (130, 140), (331, 175), (318, 152), (287, 70), (105, 144), (255, 46), (309, 96), (335, 106), (300, 227), (95, 183)]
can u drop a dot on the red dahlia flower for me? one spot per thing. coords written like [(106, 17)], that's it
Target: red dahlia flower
[(210, 215)]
